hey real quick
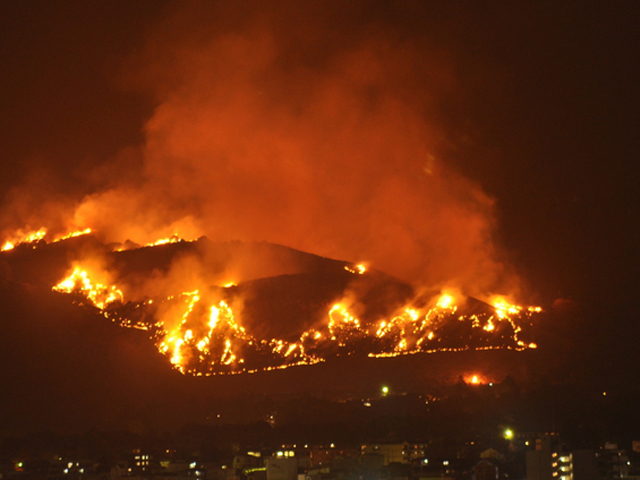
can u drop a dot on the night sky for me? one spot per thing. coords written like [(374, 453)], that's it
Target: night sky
[(490, 146)]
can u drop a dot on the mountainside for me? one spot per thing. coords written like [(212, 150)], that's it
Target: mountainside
[(69, 364)]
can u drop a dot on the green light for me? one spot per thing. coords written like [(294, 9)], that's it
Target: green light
[(508, 434), (385, 390)]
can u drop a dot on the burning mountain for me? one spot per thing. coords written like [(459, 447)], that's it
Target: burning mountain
[(232, 307)]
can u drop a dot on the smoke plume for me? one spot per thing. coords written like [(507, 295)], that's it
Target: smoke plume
[(314, 125)]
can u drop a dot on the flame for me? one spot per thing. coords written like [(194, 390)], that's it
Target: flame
[(21, 237), (99, 294), (504, 308), (489, 327), (445, 301), (77, 233), (475, 379), (164, 241), (357, 269), (200, 335), (342, 324), (190, 348)]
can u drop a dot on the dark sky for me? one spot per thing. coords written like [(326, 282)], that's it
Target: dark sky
[(532, 108)]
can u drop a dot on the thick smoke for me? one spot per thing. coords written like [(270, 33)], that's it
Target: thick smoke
[(314, 125)]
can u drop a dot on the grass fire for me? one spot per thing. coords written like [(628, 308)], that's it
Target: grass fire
[(283, 308)]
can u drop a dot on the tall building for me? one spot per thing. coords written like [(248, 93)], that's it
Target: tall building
[(549, 462)]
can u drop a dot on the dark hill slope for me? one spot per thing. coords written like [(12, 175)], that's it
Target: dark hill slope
[(68, 368)]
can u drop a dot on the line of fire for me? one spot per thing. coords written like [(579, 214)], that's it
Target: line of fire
[(359, 311)]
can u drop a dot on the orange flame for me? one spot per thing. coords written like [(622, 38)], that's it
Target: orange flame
[(77, 233), (357, 269), (164, 241), (445, 301), (201, 335), (99, 294), (21, 237), (475, 379)]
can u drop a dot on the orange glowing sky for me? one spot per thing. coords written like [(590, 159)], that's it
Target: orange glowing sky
[(444, 143)]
